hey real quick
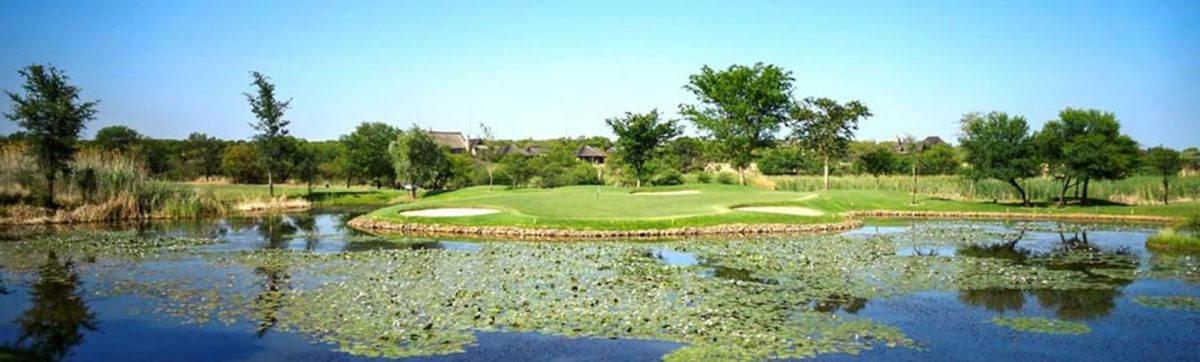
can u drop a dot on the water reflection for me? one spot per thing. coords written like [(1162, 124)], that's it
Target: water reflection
[(275, 283), (59, 315), (1112, 268)]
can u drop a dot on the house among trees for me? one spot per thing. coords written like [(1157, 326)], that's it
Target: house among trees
[(590, 154), (924, 145), (455, 141), (511, 149)]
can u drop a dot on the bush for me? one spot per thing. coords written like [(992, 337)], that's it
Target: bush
[(704, 178), (727, 178), (669, 177), (785, 161)]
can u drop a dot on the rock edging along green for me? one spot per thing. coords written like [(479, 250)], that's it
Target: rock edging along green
[(884, 214), (378, 225)]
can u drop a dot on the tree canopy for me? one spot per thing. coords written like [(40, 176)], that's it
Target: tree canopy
[(640, 139), (52, 115), (999, 146), (204, 152), (118, 138), (416, 158), (1166, 163), (1084, 145), (825, 127), (271, 127), (740, 108), (367, 152)]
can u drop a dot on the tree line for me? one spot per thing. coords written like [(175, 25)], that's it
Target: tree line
[(746, 115)]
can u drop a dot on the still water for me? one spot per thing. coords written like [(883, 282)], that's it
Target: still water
[(306, 287)]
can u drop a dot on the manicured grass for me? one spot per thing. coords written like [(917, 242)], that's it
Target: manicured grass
[(332, 196), (607, 208), (613, 208)]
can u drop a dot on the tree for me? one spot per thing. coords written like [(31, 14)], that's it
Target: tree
[(52, 116), (1084, 145), (785, 160), (367, 152), (1165, 162), (304, 161), (878, 161), (941, 159), (117, 138), (204, 152), (490, 154), (271, 127), (416, 158), (826, 128), (999, 146), (1191, 159), (240, 163), (692, 153), (740, 108), (641, 138)]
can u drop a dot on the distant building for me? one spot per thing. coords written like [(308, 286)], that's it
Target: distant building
[(535, 150), (511, 149), (455, 141), (931, 141), (924, 145), (590, 154)]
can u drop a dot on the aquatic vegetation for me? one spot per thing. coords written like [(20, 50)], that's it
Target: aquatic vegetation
[(1169, 303), (1042, 325), (1184, 236)]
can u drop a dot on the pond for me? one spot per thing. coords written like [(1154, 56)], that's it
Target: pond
[(307, 287)]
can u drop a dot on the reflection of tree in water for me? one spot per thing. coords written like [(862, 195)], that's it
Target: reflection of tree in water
[(1074, 253), (275, 283), (307, 224), (845, 302), (275, 230), (59, 314)]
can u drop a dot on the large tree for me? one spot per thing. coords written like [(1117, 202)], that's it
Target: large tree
[(52, 115), (417, 158), (641, 138), (204, 152), (304, 162), (1084, 145), (271, 127), (1191, 159), (740, 108), (367, 153), (999, 146), (825, 127), (1166, 163), (118, 138), (240, 163)]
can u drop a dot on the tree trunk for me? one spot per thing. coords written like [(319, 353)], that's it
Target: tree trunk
[(1020, 190), (490, 180), (270, 184), (1062, 195), (1084, 199), (914, 191), (1166, 192), (826, 179), (50, 188), (742, 176)]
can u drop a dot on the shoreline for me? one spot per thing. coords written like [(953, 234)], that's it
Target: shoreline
[(368, 223)]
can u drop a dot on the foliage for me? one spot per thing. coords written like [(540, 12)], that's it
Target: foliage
[(726, 178), (999, 146), (784, 160), (240, 162), (1169, 303), (118, 138), (693, 153), (271, 127), (1086, 145), (669, 177), (1166, 163), (52, 116), (825, 128), (367, 154), (641, 139), (740, 108), (203, 153), (878, 161), (417, 159)]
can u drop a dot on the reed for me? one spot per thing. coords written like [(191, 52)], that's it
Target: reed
[(1137, 190)]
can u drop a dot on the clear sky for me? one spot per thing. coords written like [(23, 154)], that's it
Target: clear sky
[(559, 68)]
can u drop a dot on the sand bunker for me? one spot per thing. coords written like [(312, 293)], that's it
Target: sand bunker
[(448, 212), (786, 210), (667, 193)]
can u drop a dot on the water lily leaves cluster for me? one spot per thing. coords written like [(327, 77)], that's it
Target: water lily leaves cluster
[(1186, 303), (1042, 325)]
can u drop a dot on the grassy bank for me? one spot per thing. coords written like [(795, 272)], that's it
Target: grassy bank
[(1134, 190), (321, 196), (612, 208), (1183, 236)]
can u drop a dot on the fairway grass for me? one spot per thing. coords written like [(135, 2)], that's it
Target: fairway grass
[(710, 205)]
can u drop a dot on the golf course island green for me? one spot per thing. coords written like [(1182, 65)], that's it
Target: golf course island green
[(699, 209)]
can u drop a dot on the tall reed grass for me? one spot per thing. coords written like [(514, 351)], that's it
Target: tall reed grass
[(102, 185), (1134, 190)]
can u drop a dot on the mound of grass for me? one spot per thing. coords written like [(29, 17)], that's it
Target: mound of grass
[(1184, 236)]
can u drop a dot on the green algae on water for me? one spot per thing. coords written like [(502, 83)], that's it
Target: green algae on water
[(1042, 325)]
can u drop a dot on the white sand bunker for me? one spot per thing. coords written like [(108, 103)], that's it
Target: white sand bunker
[(667, 193), (786, 210), (448, 212)]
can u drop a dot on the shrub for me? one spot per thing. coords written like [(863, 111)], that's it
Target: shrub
[(727, 178), (669, 177), (704, 178)]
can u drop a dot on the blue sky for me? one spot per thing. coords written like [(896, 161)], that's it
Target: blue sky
[(559, 68)]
